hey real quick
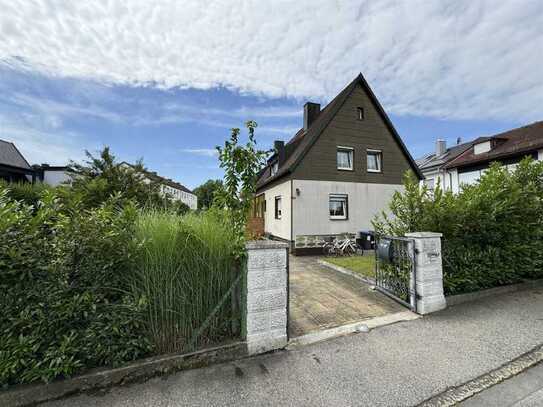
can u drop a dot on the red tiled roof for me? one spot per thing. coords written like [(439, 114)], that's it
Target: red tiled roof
[(514, 142)]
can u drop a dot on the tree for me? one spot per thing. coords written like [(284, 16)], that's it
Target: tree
[(206, 192), (241, 164), (100, 178)]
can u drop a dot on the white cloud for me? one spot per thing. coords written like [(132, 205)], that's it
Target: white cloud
[(453, 59), (206, 152), (40, 143)]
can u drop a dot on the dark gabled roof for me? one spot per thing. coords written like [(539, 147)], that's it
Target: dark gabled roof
[(431, 160), (10, 155), (300, 144), (514, 142), (162, 180)]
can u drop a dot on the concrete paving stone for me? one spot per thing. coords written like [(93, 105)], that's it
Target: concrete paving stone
[(322, 298)]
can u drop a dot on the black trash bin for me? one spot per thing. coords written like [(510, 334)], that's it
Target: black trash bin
[(366, 239)]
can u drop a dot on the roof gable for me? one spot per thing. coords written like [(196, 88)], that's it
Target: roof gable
[(304, 140), (10, 155)]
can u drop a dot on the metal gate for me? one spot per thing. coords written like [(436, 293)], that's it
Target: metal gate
[(395, 271)]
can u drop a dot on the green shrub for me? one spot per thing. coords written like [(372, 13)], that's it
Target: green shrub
[(62, 278), (26, 192), (186, 266), (492, 230)]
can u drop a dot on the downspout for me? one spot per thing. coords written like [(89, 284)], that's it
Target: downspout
[(291, 216)]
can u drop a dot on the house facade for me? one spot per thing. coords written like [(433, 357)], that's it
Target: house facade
[(335, 174), (465, 163)]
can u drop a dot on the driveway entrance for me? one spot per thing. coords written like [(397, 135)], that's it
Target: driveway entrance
[(321, 298)]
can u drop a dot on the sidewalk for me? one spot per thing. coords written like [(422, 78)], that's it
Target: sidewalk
[(523, 390), (396, 365)]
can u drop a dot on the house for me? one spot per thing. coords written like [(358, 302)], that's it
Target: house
[(465, 163), (52, 175), (432, 165), (13, 165), (170, 188), (337, 172)]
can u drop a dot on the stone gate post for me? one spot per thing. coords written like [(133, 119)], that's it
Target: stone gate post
[(429, 272), (266, 294)]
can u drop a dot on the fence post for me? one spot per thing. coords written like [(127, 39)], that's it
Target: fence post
[(429, 272), (265, 321)]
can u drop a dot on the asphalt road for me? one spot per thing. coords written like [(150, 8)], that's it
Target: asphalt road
[(396, 365)]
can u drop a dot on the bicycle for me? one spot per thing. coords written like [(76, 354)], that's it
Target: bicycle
[(339, 247)]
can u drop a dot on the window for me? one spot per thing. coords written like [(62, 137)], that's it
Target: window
[(360, 113), (274, 168), (345, 158), (338, 207), (277, 207), (374, 160), (429, 183)]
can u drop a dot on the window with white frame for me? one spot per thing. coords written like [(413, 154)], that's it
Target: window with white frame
[(338, 206), (278, 207), (345, 158), (374, 159)]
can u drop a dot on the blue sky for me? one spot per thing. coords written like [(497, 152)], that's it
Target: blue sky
[(166, 82)]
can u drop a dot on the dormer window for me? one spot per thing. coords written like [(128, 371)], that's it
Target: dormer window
[(483, 147), (360, 113)]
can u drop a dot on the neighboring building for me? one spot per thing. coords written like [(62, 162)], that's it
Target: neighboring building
[(13, 166), (465, 163), (171, 188), (52, 175), (432, 165), (335, 174)]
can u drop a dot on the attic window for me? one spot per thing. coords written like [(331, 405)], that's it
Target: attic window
[(360, 113)]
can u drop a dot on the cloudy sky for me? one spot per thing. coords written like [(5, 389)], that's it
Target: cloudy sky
[(165, 80)]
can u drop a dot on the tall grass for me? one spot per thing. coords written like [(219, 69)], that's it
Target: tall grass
[(185, 267)]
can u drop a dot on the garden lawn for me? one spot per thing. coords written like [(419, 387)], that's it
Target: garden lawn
[(363, 265)]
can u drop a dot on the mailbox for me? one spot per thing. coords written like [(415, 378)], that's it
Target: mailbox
[(384, 250)]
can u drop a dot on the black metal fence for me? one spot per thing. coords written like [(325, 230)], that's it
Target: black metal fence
[(395, 271)]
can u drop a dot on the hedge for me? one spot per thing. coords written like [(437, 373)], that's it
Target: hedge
[(492, 230)]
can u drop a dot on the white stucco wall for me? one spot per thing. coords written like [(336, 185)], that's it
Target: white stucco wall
[(311, 206), (55, 178), (278, 227), (453, 180), (540, 155)]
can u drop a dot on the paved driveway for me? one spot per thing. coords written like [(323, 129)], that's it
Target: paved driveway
[(322, 298)]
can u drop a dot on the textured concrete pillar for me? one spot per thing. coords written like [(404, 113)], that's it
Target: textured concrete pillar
[(429, 272), (267, 296)]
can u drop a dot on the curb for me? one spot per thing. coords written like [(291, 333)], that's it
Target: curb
[(462, 298), (360, 326), (455, 395), (343, 270), (32, 394)]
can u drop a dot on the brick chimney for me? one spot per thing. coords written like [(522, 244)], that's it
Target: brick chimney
[(311, 111), (279, 147), (441, 147)]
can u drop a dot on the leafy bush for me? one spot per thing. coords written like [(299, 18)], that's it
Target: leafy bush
[(185, 268), (61, 276), (26, 192), (492, 230)]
